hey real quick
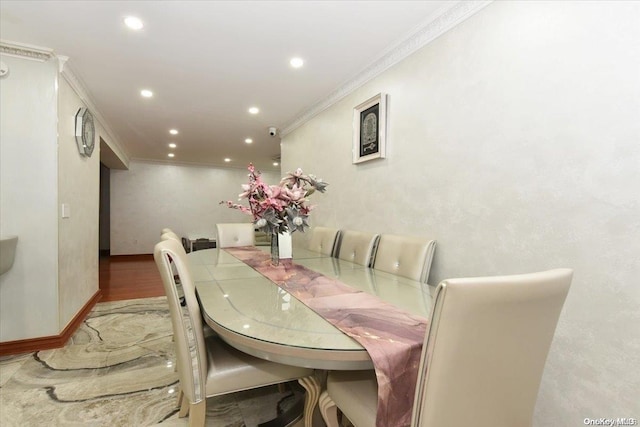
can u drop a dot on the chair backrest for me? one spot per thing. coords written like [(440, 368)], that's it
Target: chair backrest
[(357, 246), (486, 347), (170, 235), (405, 256), (188, 332), (235, 234), (166, 230), (324, 240)]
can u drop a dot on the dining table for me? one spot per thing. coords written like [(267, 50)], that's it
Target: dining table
[(255, 315)]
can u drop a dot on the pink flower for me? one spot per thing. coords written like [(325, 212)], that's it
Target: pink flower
[(295, 194), (278, 208)]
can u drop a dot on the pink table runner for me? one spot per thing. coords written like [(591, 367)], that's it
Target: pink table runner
[(392, 337)]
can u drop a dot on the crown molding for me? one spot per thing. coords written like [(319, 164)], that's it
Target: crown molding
[(22, 50), (41, 54), (79, 87), (437, 24)]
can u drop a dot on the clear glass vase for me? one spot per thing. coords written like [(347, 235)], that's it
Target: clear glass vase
[(281, 247), (275, 249)]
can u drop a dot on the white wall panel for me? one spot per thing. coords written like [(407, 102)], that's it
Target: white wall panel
[(514, 141), (28, 198)]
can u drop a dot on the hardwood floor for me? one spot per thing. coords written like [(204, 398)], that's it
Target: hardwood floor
[(128, 277)]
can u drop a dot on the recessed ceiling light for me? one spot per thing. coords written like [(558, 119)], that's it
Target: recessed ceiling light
[(254, 110), (173, 131), (296, 62), (146, 93), (275, 163), (248, 140), (171, 155), (227, 160), (133, 23), (172, 145)]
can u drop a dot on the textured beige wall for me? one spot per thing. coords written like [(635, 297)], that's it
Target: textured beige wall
[(149, 197), (78, 187), (514, 140)]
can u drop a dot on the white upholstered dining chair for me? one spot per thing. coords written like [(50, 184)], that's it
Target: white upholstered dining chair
[(405, 256), (170, 235), (482, 360), (357, 246), (324, 240), (235, 234), (206, 365)]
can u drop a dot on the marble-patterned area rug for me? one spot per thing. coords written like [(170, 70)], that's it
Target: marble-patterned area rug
[(117, 370)]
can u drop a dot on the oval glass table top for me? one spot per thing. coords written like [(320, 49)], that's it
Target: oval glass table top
[(255, 315)]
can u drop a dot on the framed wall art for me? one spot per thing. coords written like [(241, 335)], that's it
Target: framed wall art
[(370, 129)]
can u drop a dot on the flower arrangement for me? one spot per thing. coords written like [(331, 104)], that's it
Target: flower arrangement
[(279, 208)]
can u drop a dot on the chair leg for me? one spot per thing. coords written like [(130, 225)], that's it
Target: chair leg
[(197, 414), (180, 397), (312, 388), (329, 410), (184, 405)]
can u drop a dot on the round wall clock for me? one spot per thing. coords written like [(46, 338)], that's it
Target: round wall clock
[(85, 132)]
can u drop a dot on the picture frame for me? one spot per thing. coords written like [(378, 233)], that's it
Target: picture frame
[(370, 129)]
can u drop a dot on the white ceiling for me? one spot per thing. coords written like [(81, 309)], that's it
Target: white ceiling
[(207, 62)]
